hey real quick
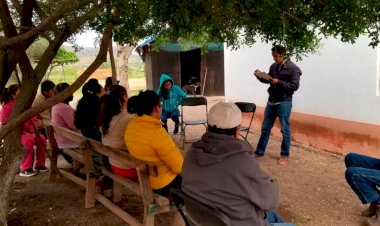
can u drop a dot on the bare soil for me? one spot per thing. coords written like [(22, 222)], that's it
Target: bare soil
[(313, 191)]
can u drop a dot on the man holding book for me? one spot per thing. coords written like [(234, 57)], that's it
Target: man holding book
[(284, 78)]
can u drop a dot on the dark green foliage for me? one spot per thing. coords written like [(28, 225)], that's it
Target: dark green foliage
[(297, 24)]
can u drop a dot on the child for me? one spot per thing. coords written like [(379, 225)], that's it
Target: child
[(29, 137), (171, 96)]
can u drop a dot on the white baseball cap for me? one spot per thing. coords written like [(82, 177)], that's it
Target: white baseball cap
[(224, 116)]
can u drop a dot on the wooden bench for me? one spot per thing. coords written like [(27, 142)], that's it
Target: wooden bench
[(153, 203)]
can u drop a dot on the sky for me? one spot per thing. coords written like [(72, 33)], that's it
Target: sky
[(86, 39)]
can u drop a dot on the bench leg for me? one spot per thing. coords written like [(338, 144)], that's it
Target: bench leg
[(117, 192), (148, 219), (90, 191)]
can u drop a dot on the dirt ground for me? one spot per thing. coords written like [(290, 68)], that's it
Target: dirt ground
[(313, 191)]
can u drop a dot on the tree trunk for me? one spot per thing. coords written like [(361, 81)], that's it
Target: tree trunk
[(12, 147), (113, 66), (123, 53)]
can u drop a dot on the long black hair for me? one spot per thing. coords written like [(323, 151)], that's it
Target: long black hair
[(163, 91), (112, 103), (87, 115), (8, 93), (144, 103)]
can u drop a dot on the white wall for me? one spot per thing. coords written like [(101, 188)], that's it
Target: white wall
[(339, 81)]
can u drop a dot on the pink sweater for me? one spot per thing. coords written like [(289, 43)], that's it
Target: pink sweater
[(63, 115), (6, 111)]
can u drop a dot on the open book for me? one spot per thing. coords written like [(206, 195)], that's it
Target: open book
[(263, 75)]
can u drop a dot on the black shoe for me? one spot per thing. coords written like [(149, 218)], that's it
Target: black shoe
[(41, 169), (371, 211)]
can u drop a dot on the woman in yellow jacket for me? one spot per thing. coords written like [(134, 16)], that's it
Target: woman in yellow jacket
[(147, 140)]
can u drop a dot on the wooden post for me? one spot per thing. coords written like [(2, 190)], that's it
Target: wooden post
[(54, 150), (117, 191), (85, 146), (146, 193)]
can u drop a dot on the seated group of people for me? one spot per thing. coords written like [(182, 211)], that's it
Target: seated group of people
[(220, 170)]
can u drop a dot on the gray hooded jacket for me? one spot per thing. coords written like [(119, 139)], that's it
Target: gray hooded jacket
[(221, 171)]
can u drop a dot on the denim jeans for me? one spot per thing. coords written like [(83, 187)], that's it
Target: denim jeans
[(275, 220), (282, 111), (363, 175)]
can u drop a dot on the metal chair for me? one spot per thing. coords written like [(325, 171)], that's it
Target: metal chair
[(195, 213), (250, 108), (187, 120)]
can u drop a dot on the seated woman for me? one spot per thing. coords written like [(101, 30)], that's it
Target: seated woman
[(171, 96), (29, 136), (87, 117), (115, 119), (62, 114), (147, 140)]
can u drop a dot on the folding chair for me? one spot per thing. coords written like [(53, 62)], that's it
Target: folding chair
[(187, 120), (246, 107), (195, 213)]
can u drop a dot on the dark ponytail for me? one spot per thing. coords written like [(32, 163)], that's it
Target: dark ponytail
[(144, 103), (8, 93)]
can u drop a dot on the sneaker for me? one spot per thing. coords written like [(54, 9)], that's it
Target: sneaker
[(371, 211), (27, 173), (41, 169), (283, 160)]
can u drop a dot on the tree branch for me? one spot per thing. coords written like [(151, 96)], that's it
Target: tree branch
[(48, 21), (100, 58)]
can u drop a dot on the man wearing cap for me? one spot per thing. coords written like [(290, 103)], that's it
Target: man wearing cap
[(221, 171), (284, 79)]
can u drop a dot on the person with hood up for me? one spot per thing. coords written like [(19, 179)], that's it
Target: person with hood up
[(171, 97), (221, 171)]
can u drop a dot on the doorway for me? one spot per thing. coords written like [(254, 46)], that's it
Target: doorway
[(191, 68)]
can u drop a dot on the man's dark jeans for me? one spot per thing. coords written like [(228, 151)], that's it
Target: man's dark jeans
[(272, 111), (363, 175)]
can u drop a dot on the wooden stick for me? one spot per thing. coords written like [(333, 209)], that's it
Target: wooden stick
[(204, 82)]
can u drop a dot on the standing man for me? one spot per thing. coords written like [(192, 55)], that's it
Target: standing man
[(44, 118), (284, 78)]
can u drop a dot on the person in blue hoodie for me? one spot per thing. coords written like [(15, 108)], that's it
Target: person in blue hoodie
[(171, 97)]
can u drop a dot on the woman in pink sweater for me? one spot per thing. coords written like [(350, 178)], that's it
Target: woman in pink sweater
[(29, 137), (62, 114)]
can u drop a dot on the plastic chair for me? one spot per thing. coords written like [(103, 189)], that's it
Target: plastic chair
[(246, 107), (186, 120), (195, 213)]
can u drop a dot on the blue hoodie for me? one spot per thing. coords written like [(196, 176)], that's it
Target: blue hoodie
[(176, 95)]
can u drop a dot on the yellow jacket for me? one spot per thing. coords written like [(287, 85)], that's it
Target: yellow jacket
[(148, 141)]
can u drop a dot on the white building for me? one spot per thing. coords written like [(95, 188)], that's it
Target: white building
[(337, 106)]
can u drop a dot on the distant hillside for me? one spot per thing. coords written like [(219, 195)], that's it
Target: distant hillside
[(88, 54)]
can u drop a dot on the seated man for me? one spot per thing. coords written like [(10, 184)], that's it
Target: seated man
[(363, 175), (221, 171)]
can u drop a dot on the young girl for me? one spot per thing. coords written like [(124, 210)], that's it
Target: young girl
[(115, 119), (171, 96), (148, 141), (29, 137)]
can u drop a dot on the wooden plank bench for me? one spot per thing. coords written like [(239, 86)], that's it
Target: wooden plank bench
[(153, 203)]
